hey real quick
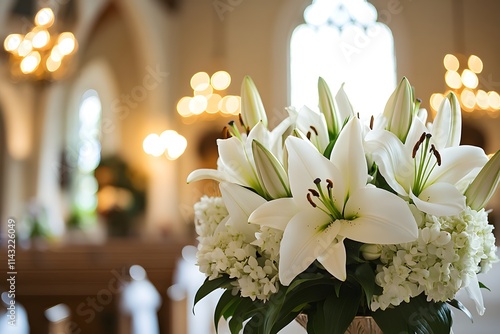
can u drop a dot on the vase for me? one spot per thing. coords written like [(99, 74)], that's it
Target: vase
[(359, 325)]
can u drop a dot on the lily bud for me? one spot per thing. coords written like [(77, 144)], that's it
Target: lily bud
[(252, 109), (271, 172), (327, 108), (399, 110), (485, 184), (371, 252), (344, 107), (447, 127)]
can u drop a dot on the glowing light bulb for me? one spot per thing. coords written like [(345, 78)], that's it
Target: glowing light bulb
[(44, 17), (30, 63), (174, 144), (475, 64), (469, 79), (482, 99), (452, 79), (52, 65), (40, 39), (451, 62), (183, 107), (468, 99), (198, 104), (494, 100), (213, 103), (200, 81), (24, 48), (152, 145), (12, 42), (221, 80), (66, 42)]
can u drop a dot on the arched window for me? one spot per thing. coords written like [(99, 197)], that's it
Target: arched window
[(89, 156), (342, 42)]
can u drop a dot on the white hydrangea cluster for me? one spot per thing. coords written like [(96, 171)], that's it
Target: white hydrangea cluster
[(222, 250), (447, 253)]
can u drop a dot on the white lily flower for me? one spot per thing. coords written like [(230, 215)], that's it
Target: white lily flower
[(417, 171), (240, 203), (311, 125), (236, 163), (485, 184), (331, 202), (252, 109)]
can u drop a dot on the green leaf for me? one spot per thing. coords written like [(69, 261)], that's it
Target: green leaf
[(482, 286), (457, 304), (417, 316), (225, 307), (365, 276), (335, 314), (209, 286), (245, 309)]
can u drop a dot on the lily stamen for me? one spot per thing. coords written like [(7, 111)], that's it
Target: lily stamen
[(425, 165), (309, 199), (314, 129), (436, 154), (417, 145), (327, 200)]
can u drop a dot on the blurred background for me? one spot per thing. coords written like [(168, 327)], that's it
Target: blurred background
[(107, 105)]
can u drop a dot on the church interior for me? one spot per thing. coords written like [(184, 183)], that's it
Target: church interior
[(110, 104)]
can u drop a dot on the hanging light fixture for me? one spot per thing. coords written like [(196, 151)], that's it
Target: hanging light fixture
[(42, 52), (462, 75), (207, 96), (462, 78)]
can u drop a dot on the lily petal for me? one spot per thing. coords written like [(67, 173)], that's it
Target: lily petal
[(235, 162), (240, 203), (212, 174), (348, 156), (313, 124), (303, 241), (474, 292), (276, 213), (391, 157), (440, 199), (334, 259), (457, 162), (302, 172), (344, 107), (380, 218)]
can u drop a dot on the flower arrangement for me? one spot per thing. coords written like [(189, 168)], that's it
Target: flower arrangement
[(328, 216)]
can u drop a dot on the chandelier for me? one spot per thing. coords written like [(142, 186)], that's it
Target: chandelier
[(42, 52), (207, 96)]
